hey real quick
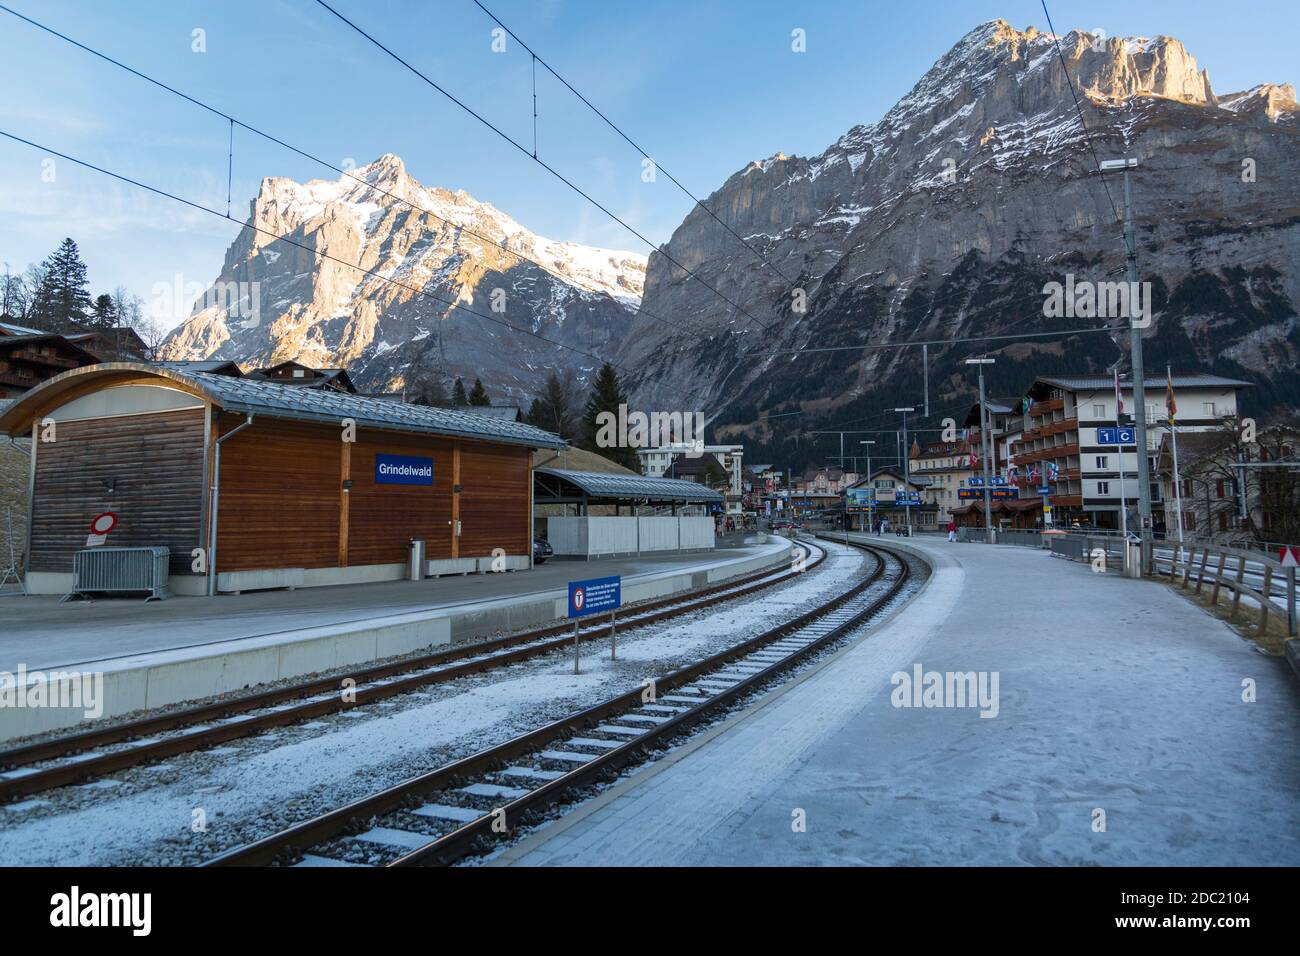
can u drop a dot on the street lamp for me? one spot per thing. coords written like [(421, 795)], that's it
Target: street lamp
[(984, 450), (907, 466), (1135, 353)]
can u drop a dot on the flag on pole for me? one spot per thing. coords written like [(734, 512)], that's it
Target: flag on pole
[(1170, 405), (1028, 405), (1119, 399)]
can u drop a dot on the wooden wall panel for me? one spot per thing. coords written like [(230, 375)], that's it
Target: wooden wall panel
[(154, 464), (494, 499), (279, 495), (383, 518)]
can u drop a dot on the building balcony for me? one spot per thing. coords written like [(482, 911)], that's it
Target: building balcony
[(1051, 405), (1067, 501)]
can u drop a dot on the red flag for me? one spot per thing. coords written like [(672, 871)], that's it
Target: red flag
[(1170, 405)]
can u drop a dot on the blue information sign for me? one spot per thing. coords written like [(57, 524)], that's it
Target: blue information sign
[(595, 595), (1116, 436), (403, 470), (1044, 490)]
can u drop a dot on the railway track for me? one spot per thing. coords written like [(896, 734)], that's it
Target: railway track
[(81, 757), (468, 805)]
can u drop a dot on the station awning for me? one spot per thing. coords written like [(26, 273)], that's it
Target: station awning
[(557, 485)]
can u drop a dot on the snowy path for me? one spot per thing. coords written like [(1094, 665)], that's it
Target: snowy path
[(1114, 695), (248, 788)]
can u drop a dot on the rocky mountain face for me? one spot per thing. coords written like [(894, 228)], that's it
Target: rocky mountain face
[(422, 252), (948, 216)]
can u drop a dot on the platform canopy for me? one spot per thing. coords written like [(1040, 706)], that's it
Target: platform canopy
[(559, 486)]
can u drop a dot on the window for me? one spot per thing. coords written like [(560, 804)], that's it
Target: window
[(1208, 409), (1151, 412), (1098, 411), (1103, 487), (1102, 462), (1223, 521), (1218, 488), (1189, 520)]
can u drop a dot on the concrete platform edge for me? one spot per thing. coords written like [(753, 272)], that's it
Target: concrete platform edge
[(162, 678)]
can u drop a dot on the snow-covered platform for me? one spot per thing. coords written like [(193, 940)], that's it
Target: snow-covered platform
[(192, 647), (1129, 727)]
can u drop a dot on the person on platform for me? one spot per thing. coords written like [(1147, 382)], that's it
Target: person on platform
[(952, 531)]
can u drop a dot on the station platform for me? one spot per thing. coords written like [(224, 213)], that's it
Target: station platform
[(185, 648), (1120, 734)]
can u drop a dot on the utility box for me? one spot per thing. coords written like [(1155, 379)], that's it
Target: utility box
[(415, 566)]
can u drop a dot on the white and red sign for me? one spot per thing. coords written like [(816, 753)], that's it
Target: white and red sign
[(1289, 555), (100, 526)]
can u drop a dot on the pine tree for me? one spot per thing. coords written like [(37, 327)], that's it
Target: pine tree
[(458, 397), (606, 396), (478, 394), (103, 313), (62, 300), (556, 409)]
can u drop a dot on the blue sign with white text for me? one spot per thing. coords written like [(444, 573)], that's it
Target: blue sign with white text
[(595, 595), (403, 470), (1116, 436)]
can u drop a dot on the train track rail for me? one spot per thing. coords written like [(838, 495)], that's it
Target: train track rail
[(466, 806), (81, 757)]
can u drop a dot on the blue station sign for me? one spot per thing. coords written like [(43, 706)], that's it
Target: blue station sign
[(595, 595), (403, 470)]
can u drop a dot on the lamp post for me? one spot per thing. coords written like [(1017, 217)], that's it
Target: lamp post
[(984, 449), (907, 466), (1135, 359)]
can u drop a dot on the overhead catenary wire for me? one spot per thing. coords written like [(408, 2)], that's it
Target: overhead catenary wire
[(315, 252), (640, 149), (234, 121), (546, 166)]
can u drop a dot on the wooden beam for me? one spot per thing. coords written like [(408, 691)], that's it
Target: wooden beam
[(455, 500), (345, 473)]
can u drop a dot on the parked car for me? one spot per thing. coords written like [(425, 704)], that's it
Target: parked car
[(541, 550)]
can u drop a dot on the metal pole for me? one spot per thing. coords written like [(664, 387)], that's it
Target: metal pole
[(984, 449), (925, 375), (907, 474), (613, 629), (1290, 602), (577, 623), (1178, 492), (216, 497), (1139, 380)]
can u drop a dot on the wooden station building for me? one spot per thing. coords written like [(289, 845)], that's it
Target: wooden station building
[(308, 486)]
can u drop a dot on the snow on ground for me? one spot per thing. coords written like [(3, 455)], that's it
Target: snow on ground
[(1116, 697), (249, 788)]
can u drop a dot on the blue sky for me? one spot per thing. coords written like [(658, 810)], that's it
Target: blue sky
[(704, 86)]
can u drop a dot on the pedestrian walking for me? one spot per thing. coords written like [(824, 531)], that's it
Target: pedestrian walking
[(952, 531)]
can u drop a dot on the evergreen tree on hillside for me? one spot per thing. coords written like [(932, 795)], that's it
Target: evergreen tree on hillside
[(427, 386), (62, 300), (557, 408), (103, 313), (478, 394), (458, 397), (606, 396)]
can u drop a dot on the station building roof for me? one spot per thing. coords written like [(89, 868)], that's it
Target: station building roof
[(259, 397), (600, 486)]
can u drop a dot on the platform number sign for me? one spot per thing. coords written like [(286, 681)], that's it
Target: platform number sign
[(1116, 436), (595, 596)]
